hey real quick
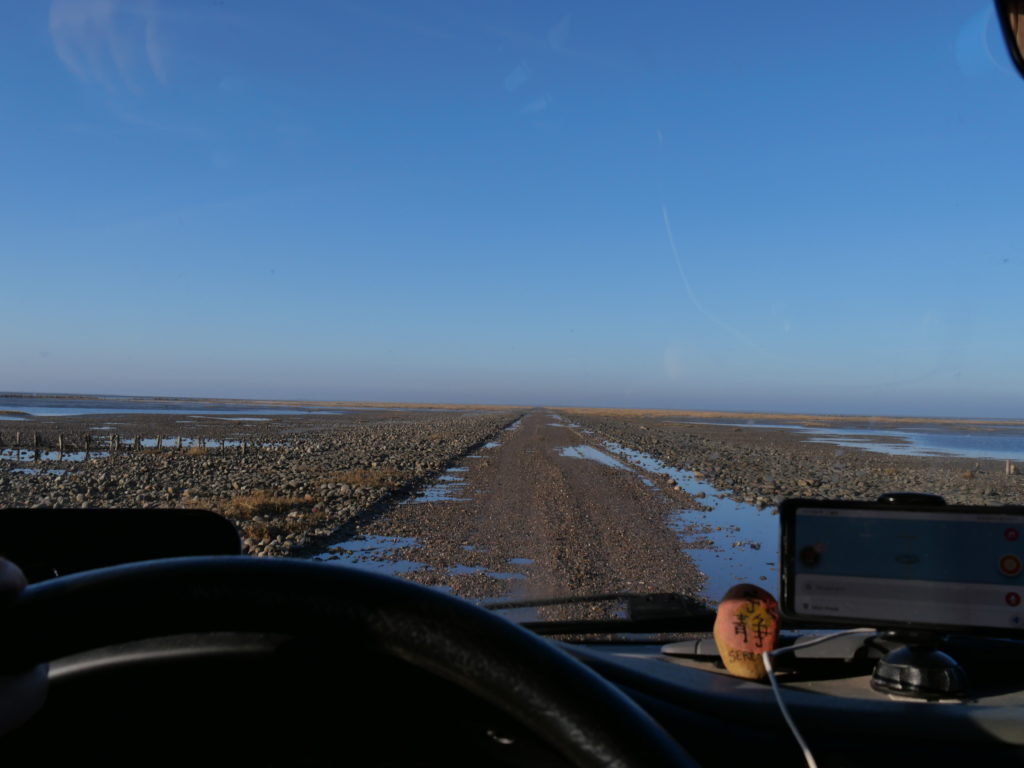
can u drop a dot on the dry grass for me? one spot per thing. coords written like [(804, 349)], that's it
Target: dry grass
[(263, 515), (266, 503), (198, 450)]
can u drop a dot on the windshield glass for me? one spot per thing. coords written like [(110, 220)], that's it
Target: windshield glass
[(521, 301)]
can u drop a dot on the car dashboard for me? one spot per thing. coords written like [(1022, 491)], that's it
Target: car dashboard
[(275, 699)]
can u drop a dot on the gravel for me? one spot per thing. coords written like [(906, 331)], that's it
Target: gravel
[(297, 480), (765, 466)]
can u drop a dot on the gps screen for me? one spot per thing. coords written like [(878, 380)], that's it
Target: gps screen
[(932, 567)]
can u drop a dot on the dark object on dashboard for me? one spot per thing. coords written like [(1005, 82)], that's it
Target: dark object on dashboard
[(46, 543), (920, 670)]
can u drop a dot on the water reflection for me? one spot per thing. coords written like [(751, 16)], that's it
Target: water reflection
[(990, 441), (590, 452), (730, 542)]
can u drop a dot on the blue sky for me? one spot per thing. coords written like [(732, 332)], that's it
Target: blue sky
[(673, 205)]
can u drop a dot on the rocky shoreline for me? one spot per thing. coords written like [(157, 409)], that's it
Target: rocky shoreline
[(293, 483), (763, 466), (297, 479)]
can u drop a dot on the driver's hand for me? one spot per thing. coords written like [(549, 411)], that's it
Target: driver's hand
[(21, 694)]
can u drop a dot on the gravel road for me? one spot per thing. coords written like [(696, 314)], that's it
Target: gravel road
[(525, 521), (486, 504)]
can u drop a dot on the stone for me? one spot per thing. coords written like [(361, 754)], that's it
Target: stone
[(746, 626)]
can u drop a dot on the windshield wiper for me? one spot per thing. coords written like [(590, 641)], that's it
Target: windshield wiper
[(642, 613)]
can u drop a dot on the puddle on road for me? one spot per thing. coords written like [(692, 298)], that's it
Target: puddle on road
[(379, 554), (731, 543), (448, 487), (491, 444), (560, 421), (32, 471), (514, 426), (590, 452), (465, 570), (371, 553)]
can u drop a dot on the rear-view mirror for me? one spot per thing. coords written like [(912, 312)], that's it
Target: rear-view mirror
[(1011, 18)]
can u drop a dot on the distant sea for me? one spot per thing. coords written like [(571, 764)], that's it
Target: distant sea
[(974, 441), (84, 406)]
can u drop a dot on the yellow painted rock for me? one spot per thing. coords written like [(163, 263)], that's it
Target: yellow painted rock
[(746, 626)]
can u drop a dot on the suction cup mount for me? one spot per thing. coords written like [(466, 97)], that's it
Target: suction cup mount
[(918, 669)]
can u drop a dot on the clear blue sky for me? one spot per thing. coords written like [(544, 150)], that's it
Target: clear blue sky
[(800, 206)]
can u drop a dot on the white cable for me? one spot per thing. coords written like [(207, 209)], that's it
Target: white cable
[(766, 656)]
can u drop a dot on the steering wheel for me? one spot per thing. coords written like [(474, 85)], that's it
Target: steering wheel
[(582, 716)]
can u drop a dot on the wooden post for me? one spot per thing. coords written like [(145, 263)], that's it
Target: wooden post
[(35, 446), (179, 443), (135, 443), (222, 445), (88, 440), (160, 442), (17, 439), (60, 447)]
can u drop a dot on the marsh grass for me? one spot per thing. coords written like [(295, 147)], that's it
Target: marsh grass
[(368, 477), (264, 502), (265, 514)]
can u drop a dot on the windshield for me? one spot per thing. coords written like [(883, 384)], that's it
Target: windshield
[(519, 302)]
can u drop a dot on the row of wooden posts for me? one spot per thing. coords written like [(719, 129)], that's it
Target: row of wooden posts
[(112, 443)]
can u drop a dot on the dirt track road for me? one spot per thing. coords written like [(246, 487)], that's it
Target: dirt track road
[(526, 521)]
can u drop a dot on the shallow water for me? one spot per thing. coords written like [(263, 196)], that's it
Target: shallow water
[(589, 452), (27, 454), (376, 553), (709, 535), (448, 487), (990, 441), (101, 448), (85, 406), (371, 553)]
